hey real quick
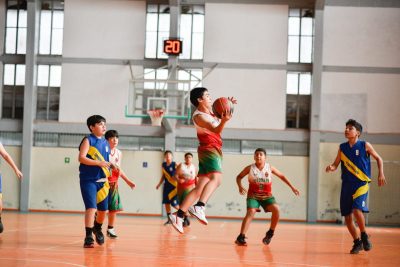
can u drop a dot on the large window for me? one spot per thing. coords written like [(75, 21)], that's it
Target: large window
[(16, 23), (192, 32), (48, 94), (13, 91), (157, 30), (51, 28), (301, 33), (298, 100)]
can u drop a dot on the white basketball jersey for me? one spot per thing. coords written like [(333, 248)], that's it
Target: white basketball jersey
[(189, 173), (257, 175), (204, 135), (116, 160)]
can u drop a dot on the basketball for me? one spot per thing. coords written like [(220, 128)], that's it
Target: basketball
[(221, 105)]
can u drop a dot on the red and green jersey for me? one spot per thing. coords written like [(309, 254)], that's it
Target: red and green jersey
[(260, 181)]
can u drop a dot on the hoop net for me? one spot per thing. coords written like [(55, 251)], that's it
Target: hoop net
[(156, 116)]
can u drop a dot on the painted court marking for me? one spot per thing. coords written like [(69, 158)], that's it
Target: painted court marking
[(73, 264), (222, 225), (34, 228), (63, 245)]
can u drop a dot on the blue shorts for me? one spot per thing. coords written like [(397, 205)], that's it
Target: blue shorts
[(353, 196), (1, 195), (170, 195), (95, 195)]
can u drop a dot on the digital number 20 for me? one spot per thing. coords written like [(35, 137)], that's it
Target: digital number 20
[(173, 47)]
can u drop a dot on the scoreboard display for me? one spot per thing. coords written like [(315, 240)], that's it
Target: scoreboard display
[(173, 47)]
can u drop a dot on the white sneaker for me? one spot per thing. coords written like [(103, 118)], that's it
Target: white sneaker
[(176, 222), (111, 234), (198, 212)]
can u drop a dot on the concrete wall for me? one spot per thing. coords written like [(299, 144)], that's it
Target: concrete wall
[(240, 33), (104, 29), (10, 183), (3, 13)]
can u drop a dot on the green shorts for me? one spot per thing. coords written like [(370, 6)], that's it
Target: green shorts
[(210, 159), (115, 204), (255, 203), (183, 192)]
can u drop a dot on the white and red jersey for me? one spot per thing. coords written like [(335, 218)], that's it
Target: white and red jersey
[(260, 181), (188, 173), (116, 160), (206, 136)]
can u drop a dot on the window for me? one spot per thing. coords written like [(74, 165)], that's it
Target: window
[(298, 100), (48, 94), (51, 28), (194, 76), (16, 24), (13, 91), (192, 32), (157, 30), (300, 39)]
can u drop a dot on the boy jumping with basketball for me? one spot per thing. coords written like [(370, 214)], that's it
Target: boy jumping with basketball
[(209, 129), (115, 205), (169, 192), (186, 176), (10, 161), (259, 194), (94, 171), (354, 157)]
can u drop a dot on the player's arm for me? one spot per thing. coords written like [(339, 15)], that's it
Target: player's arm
[(177, 172), (203, 122), (10, 161), (123, 176), (239, 178), (285, 179), (161, 180), (334, 166), (379, 161), (196, 177), (84, 160)]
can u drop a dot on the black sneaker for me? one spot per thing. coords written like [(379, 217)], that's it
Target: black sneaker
[(267, 239), (358, 245), (99, 236), (167, 223), (186, 221), (1, 227), (89, 242), (366, 243), (240, 240)]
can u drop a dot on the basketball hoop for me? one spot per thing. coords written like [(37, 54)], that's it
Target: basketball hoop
[(156, 116)]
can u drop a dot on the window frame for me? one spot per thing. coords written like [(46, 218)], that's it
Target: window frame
[(14, 93), (158, 30), (51, 30), (48, 94), (191, 31), (17, 27)]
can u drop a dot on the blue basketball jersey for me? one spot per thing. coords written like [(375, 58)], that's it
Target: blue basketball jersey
[(99, 150), (169, 172), (355, 162)]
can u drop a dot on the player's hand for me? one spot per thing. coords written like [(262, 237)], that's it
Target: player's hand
[(330, 168), (381, 180), (232, 100), (158, 186), (181, 181), (295, 191), (103, 164), (242, 190), (226, 116), (19, 174), (114, 167), (131, 184)]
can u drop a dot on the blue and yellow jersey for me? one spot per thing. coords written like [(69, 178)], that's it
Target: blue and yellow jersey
[(99, 150), (169, 172), (355, 162)]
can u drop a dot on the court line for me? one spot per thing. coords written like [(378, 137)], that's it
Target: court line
[(63, 245), (34, 228), (222, 225), (73, 264)]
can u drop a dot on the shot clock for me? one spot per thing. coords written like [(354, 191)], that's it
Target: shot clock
[(173, 47)]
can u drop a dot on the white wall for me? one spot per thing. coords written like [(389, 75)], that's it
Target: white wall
[(95, 89), (104, 29), (2, 26), (240, 33), (381, 92), (261, 96), (10, 183), (367, 37)]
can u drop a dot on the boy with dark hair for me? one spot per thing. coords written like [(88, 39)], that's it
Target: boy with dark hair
[(115, 205), (259, 194), (209, 129), (10, 161), (94, 171), (354, 157), (186, 176), (170, 192)]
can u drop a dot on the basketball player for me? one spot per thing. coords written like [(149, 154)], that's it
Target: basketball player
[(354, 157), (186, 176), (259, 194), (209, 129)]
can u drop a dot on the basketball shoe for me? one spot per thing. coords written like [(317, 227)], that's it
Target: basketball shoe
[(176, 222), (240, 240), (358, 245), (89, 242), (99, 236), (198, 212), (267, 239), (111, 234), (365, 240), (1, 226)]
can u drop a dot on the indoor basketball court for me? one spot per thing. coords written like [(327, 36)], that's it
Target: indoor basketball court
[(199, 133)]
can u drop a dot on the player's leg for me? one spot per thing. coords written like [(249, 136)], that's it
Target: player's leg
[(251, 211), (89, 196), (209, 188), (1, 209), (271, 205), (359, 206), (103, 200), (111, 222), (114, 207)]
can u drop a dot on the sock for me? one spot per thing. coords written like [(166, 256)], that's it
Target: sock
[(97, 225), (181, 213), (168, 214), (110, 227), (89, 231), (363, 233), (200, 204)]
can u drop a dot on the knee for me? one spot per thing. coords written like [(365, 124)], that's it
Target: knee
[(251, 212)]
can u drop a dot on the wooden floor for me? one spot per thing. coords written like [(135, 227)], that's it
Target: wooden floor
[(38, 239)]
